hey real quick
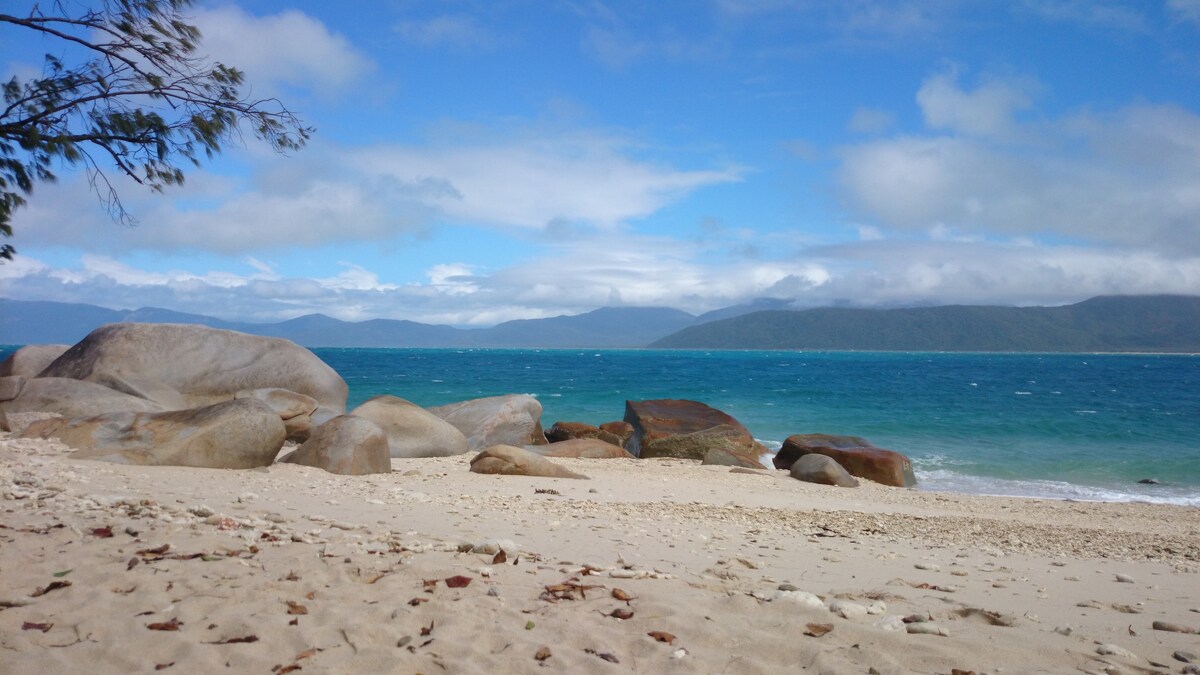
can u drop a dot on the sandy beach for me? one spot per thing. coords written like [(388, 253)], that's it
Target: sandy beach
[(651, 566)]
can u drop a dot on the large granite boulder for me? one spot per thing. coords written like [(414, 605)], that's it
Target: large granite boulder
[(689, 430), (512, 461), (799, 445), (411, 430), (237, 434), (294, 409), (582, 448), (347, 445), (31, 360), (515, 419), (184, 365), (867, 461), (67, 397), (565, 431), (814, 468)]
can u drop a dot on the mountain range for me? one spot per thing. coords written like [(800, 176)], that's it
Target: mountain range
[(1108, 323), (1159, 323)]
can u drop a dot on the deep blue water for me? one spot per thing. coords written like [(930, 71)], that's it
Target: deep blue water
[(1085, 426)]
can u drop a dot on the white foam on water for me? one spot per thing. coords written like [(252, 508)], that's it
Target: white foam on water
[(945, 480), (773, 446)]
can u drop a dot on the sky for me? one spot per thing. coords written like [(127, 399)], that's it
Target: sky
[(477, 161)]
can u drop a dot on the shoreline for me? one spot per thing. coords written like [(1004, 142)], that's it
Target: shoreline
[(1017, 584)]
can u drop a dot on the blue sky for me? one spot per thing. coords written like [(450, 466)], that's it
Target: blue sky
[(479, 161)]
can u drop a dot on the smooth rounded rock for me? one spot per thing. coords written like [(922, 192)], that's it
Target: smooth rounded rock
[(346, 445), (188, 365), (411, 430), (847, 609), (237, 434), (803, 598), (74, 398), (295, 409), (31, 360), (821, 470), (515, 419)]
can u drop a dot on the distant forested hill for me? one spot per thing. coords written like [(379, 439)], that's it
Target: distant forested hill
[(26, 322), (1160, 323)]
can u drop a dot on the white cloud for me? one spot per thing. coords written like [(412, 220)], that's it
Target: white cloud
[(526, 181), (288, 49), (536, 181), (1129, 177), (355, 278), (1014, 273), (986, 111), (630, 270)]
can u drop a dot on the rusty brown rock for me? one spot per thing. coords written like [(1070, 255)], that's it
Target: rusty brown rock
[(798, 445), (882, 466), (621, 429), (688, 430), (565, 431)]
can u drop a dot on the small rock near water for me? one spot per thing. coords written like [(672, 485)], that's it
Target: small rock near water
[(822, 470)]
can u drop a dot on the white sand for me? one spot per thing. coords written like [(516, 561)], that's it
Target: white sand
[(711, 547)]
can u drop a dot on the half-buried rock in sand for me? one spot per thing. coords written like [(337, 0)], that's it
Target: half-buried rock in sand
[(513, 461)]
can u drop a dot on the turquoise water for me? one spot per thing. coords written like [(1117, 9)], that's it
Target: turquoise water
[(1081, 426)]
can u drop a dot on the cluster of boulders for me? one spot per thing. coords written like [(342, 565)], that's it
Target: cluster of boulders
[(189, 395)]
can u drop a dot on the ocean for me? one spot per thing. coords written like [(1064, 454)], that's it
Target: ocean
[(1064, 426), (1067, 426)]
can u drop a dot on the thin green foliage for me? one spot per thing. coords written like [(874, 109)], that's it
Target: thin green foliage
[(144, 100)]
